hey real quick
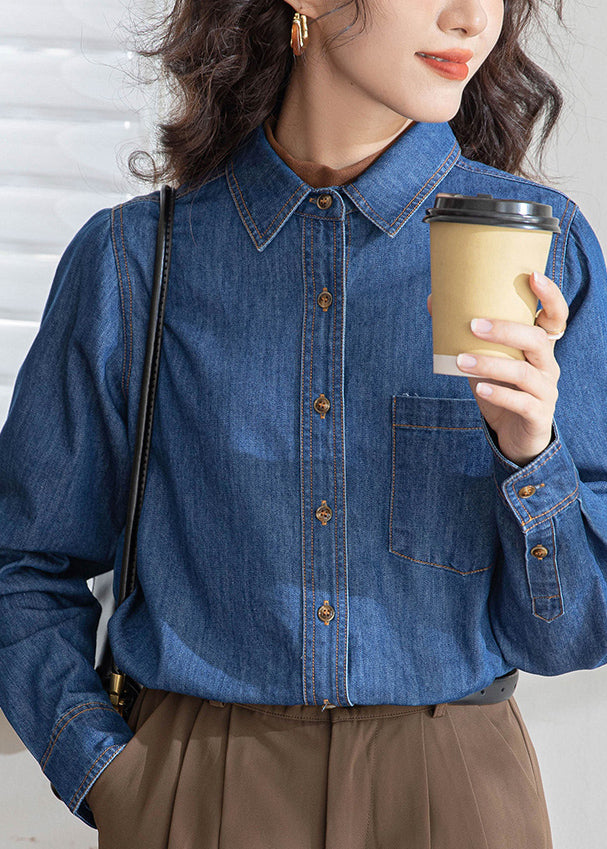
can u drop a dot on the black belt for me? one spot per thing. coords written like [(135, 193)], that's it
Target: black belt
[(498, 691)]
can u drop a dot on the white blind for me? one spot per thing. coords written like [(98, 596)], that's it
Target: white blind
[(71, 113)]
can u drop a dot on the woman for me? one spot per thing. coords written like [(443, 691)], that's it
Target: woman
[(340, 553)]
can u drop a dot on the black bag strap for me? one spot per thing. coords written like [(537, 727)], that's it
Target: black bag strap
[(145, 418)]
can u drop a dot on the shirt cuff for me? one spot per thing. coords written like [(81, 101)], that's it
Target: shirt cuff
[(537, 491), (82, 744)]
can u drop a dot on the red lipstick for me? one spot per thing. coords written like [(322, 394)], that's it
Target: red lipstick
[(450, 63)]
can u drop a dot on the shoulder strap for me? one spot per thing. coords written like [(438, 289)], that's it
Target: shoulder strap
[(149, 381), (147, 396)]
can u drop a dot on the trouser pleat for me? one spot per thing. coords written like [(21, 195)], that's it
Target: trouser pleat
[(200, 774), (275, 785)]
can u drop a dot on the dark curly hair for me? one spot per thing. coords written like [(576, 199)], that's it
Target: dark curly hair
[(227, 64)]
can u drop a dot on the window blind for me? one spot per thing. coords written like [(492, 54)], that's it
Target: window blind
[(71, 113)]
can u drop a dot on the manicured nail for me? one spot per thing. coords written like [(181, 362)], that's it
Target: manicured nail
[(484, 389), (466, 361), (481, 325), (540, 281)]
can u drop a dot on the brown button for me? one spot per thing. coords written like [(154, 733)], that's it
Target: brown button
[(326, 612), (322, 405), (324, 513), (325, 299), (324, 201), (526, 491), (539, 551)]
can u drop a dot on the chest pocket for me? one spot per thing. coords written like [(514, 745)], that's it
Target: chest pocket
[(442, 510)]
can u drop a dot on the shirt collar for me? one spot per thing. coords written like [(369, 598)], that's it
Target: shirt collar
[(266, 191)]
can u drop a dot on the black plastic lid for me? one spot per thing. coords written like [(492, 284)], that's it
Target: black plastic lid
[(499, 212)]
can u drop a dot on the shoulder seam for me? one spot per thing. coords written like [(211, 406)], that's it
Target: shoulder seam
[(130, 316), (138, 199), (477, 168), (121, 293), (564, 239), (154, 197)]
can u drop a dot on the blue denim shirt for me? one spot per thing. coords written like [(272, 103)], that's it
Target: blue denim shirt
[(394, 508)]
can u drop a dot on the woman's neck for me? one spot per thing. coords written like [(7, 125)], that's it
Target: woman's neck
[(317, 124)]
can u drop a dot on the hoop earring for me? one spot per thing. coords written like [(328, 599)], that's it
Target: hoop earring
[(299, 33)]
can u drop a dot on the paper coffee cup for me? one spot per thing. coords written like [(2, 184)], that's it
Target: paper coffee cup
[(482, 251)]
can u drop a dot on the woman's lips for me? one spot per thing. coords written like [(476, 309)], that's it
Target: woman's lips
[(451, 64)]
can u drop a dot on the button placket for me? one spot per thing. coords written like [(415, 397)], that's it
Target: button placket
[(322, 455)]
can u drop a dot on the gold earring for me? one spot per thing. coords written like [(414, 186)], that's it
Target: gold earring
[(299, 34)]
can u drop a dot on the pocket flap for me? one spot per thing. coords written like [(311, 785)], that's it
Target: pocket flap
[(446, 413)]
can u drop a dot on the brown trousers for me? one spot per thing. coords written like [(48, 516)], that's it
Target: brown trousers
[(200, 774)]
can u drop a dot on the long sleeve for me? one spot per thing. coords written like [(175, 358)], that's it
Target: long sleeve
[(64, 472), (548, 602)]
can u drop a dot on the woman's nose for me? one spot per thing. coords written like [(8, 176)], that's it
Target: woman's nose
[(468, 16)]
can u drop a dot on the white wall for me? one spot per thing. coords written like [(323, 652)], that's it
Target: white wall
[(68, 110), (59, 168)]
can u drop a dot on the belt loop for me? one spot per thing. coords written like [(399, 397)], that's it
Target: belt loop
[(439, 709)]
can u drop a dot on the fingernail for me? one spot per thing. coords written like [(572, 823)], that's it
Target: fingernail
[(481, 325), (466, 361), (540, 281)]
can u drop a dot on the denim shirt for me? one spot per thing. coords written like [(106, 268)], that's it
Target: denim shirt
[(374, 547)]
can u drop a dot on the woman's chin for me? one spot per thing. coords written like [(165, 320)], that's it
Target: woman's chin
[(437, 113)]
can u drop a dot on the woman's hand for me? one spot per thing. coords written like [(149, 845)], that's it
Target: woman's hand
[(517, 397)]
